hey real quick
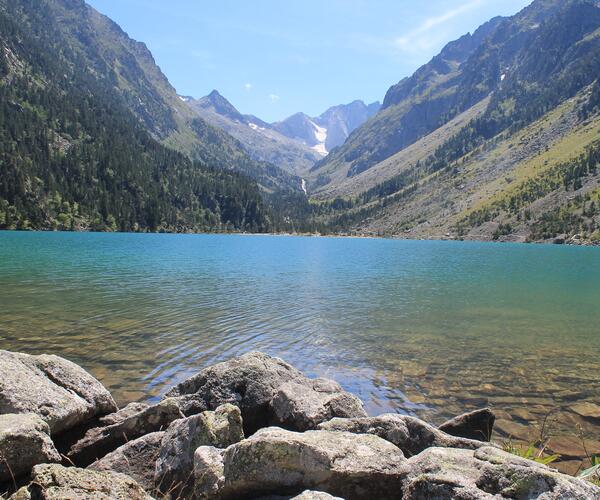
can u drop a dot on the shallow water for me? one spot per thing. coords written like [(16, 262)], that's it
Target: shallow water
[(427, 328)]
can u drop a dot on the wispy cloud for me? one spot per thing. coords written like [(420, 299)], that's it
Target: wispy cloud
[(421, 38), (274, 98), (248, 87)]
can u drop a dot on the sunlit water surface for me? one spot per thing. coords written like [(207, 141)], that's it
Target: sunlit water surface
[(427, 328)]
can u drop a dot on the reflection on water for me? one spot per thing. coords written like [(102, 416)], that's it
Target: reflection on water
[(429, 328)]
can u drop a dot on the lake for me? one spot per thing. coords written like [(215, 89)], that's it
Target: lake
[(419, 327)]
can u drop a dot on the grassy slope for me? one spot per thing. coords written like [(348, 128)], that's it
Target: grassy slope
[(489, 175)]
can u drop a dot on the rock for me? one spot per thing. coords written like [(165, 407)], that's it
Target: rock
[(315, 495), (572, 447), (448, 473), (587, 410), (514, 430), (251, 382), (277, 461), (477, 424), (24, 442), (409, 434), (136, 459), (302, 406), (55, 482), (100, 441), (63, 394), (175, 464), (209, 472), (124, 413)]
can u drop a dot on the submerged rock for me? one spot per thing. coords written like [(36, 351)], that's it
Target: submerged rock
[(136, 459), (24, 442), (409, 434), (251, 382), (303, 406), (55, 482), (63, 394), (175, 464), (448, 473), (276, 461), (478, 424), (100, 441)]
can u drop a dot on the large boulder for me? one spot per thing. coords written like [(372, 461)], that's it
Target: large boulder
[(449, 473), (63, 394), (477, 424), (136, 459), (55, 482), (250, 382), (410, 434), (100, 441), (175, 463), (277, 461), (303, 406), (24, 442)]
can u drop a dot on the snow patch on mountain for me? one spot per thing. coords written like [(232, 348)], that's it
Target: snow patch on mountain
[(321, 138)]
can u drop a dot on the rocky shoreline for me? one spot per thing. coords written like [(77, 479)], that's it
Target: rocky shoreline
[(251, 427)]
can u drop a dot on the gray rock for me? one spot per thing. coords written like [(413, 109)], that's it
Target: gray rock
[(209, 472), (410, 434), (55, 482), (315, 495), (477, 424), (100, 441), (175, 465), (136, 459), (277, 461), (124, 413), (302, 406), (24, 442), (449, 473), (63, 394), (249, 382)]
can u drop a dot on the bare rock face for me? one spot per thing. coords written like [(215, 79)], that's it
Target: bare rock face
[(137, 459), (251, 382), (55, 482), (303, 406), (410, 434), (276, 461), (477, 424), (100, 441), (175, 464), (63, 394), (24, 442), (486, 473)]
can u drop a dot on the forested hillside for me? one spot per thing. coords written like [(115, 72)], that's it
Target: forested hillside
[(73, 155)]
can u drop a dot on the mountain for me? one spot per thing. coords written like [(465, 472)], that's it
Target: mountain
[(85, 121), (497, 137), (329, 130), (129, 68), (259, 140)]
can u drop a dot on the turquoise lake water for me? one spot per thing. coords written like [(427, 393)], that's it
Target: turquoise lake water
[(429, 328)]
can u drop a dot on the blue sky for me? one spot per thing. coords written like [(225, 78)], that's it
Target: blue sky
[(273, 58)]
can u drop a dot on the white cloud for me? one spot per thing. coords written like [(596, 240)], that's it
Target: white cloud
[(420, 38), (248, 87), (274, 97)]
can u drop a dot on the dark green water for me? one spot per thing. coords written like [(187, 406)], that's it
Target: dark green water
[(431, 328)]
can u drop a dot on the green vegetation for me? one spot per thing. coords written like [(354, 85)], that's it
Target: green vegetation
[(533, 451)]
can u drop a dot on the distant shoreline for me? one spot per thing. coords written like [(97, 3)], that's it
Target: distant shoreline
[(570, 243)]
